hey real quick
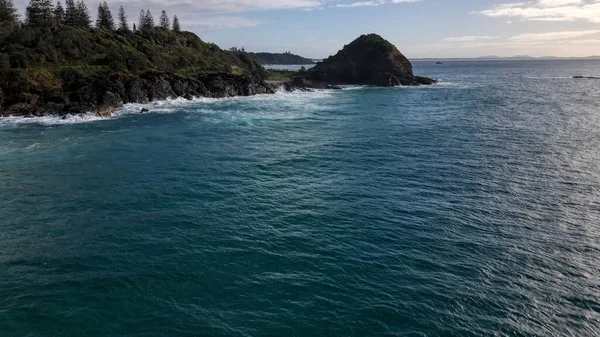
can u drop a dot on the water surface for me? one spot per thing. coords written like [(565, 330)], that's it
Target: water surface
[(471, 208)]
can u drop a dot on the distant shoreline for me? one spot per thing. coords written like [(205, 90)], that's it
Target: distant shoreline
[(509, 59)]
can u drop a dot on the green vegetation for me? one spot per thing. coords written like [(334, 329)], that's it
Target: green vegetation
[(176, 26), (123, 25), (157, 49), (8, 11), (165, 23), (105, 19), (280, 75)]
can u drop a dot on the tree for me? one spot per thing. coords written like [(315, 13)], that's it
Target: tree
[(82, 15), (146, 20), (142, 19), (123, 25), (176, 27), (70, 13), (105, 19), (39, 12), (134, 28), (59, 13), (8, 11), (165, 23), (149, 20)]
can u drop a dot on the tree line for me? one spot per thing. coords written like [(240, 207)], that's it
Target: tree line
[(76, 14)]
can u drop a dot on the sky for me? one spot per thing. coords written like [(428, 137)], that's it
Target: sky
[(419, 28)]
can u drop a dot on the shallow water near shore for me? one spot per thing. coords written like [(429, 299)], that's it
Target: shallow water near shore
[(470, 208)]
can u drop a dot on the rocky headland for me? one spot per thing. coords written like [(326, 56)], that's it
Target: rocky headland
[(59, 69)]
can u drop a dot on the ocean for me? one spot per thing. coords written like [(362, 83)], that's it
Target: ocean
[(469, 208)]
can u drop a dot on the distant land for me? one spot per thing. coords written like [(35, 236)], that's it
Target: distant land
[(500, 58), (286, 58)]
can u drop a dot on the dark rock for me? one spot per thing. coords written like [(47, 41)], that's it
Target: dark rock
[(586, 77), (103, 95), (368, 60), (144, 110), (438, 62)]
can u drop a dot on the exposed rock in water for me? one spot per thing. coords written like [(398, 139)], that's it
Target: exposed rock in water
[(586, 77), (368, 60)]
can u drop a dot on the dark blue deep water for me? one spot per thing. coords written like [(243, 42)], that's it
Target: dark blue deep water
[(471, 208)]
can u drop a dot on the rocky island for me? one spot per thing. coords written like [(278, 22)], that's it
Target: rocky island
[(368, 60)]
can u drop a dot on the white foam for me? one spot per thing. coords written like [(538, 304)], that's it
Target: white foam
[(50, 120), (172, 105)]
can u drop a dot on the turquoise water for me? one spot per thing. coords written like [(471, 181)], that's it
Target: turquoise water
[(471, 208)]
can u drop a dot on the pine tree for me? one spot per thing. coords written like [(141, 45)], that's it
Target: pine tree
[(8, 11), (142, 19), (146, 20), (59, 13), (123, 25), (39, 12), (149, 20), (176, 27), (165, 23), (105, 19), (134, 28), (82, 15), (70, 13)]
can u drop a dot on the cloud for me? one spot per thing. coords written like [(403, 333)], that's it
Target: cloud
[(552, 36), (193, 23), (548, 10), (524, 41), (373, 3), (361, 4), (470, 38)]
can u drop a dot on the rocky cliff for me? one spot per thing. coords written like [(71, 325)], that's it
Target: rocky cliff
[(368, 60)]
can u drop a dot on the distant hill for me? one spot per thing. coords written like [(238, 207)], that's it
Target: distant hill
[(280, 58)]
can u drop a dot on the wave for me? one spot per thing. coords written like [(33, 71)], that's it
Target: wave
[(50, 120), (170, 105)]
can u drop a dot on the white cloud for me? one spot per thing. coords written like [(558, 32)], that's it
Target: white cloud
[(373, 3), (548, 10), (361, 4), (552, 36), (470, 38), (211, 23), (526, 41)]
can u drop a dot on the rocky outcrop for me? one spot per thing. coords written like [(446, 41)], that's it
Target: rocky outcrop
[(586, 78), (102, 96), (368, 60)]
